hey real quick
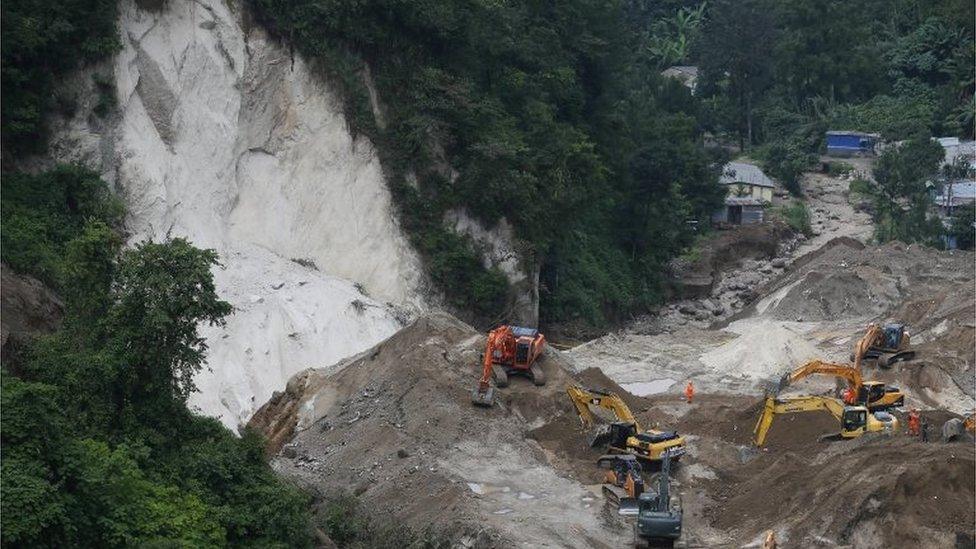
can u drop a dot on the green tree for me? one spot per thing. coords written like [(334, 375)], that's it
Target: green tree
[(962, 226), (42, 212), (904, 176), (161, 294), (734, 57)]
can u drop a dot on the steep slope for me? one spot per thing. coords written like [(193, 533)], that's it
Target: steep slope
[(396, 427), (223, 137)]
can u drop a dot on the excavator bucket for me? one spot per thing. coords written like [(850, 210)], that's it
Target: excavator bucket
[(628, 507), (484, 398)]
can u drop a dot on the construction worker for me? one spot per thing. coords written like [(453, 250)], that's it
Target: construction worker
[(914, 423), (848, 396), (689, 391)]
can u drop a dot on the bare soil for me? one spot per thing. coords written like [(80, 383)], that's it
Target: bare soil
[(395, 426)]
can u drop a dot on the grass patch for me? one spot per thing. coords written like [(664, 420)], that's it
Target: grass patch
[(797, 216)]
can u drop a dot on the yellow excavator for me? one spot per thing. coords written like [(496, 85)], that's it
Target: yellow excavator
[(873, 394), (887, 344), (855, 421), (623, 435)]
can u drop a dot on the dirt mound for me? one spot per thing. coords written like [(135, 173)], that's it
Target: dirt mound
[(846, 279), (886, 492), (396, 427), (696, 277)]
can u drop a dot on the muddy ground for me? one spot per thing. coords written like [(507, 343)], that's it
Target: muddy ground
[(395, 427)]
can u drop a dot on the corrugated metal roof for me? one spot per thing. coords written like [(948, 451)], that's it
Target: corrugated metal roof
[(963, 191), (742, 201), (740, 172), (855, 133)]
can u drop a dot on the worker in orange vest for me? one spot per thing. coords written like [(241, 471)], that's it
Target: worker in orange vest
[(689, 391), (914, 423), (848, 396)]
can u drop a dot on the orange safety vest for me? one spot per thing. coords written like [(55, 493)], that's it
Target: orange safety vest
[(689, 391)]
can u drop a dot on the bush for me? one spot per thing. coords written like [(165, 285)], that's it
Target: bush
[(99, 449), (862, 187), (797, 216), (837, 168), (41, 213)]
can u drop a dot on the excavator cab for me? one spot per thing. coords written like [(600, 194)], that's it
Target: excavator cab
[(893, 334), (854, 419), (523, 350), (877, 395)]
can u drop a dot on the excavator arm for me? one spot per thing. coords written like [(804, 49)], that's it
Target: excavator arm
[(843, 371), (870, 339), (789, 405), (483, 395), (584, 398)]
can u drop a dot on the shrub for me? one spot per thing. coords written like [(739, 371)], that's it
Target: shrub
[(797, 216), (41, 213)]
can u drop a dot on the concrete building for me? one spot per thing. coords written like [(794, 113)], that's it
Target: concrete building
[(954, 195)]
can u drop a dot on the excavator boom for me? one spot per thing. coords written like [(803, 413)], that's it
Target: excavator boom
[(584, 398), (773, 406), (854, 420), (873, 394)]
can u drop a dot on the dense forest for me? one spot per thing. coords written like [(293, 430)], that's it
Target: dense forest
[(552, 115), (555, 117)]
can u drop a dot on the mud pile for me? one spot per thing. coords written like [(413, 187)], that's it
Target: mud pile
[(873, 492), (846, 279), (395, 426)]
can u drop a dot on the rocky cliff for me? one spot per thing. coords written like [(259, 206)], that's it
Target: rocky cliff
[(222, 135)]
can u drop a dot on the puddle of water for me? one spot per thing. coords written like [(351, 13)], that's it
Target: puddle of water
[(502, 511), (524, 495), (646, 388)]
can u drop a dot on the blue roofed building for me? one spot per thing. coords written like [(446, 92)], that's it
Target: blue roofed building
[(851, 143)]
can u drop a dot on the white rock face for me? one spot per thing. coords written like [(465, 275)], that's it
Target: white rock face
[(497, 247), (225, 139)]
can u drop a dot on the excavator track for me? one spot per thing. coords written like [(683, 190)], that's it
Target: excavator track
[(538, 376), (887, 360)]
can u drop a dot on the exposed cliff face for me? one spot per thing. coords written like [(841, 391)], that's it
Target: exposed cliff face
[(498, 248), (221, 136), (27, 307)]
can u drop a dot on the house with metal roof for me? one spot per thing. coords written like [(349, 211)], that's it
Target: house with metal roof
[(953, 195), (744, 180), (749, 191)]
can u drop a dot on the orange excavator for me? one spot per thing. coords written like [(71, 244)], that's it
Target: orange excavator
[(510, 350), (873, 394), (887, 344)]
